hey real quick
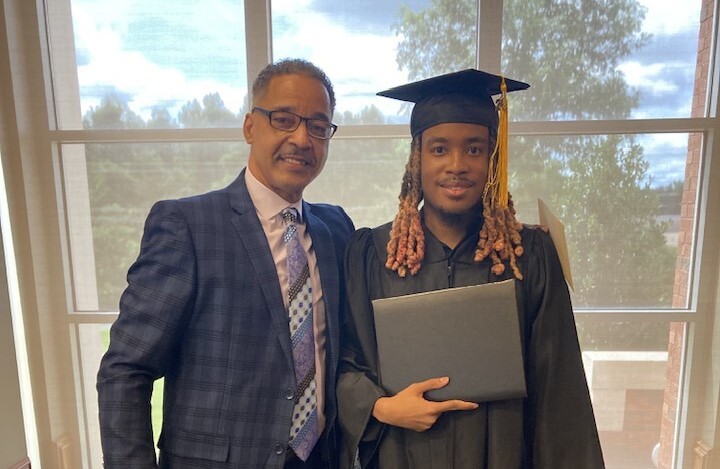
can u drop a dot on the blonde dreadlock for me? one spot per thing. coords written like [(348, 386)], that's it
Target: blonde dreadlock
[(500, 233)]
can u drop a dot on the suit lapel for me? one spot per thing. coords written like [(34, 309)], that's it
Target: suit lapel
[(253, 238), (324, 247)]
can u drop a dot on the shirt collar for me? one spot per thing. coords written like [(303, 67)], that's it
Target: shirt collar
[(267, 203)]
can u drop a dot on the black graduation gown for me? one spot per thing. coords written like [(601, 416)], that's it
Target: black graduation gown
[(553, 428)]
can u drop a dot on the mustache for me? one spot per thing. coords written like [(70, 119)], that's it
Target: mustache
[(294, 150), (454, 181)]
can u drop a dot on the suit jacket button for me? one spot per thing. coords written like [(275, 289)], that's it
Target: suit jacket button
[(289, 394), (279, 449)]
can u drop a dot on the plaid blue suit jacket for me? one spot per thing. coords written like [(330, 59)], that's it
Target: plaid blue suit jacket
[(203, 309)]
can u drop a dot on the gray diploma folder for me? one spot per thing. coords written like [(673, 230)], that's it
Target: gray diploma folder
[(470, 334)]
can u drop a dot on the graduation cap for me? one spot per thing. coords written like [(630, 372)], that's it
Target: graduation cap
[(461, 97), (464, 97)]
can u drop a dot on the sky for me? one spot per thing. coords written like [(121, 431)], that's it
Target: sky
[(136, 49)]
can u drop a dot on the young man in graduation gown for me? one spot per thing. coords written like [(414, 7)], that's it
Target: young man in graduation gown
[(464, 234)]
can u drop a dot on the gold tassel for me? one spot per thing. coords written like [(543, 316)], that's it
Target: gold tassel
[(497, 183)]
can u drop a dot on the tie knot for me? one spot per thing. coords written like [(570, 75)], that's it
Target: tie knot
[(289, 215)]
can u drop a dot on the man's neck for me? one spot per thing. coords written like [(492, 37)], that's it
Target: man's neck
[(449, 229)]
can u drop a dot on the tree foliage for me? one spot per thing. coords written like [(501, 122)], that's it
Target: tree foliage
[(212, 113), (574, 74), (363, 175), (440, 39), (112, 113)]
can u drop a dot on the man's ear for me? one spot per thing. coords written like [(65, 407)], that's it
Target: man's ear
[(248, 128)]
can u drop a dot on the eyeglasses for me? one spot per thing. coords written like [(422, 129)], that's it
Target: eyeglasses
[(289, 122)]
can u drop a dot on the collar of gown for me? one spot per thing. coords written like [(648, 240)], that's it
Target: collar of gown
[(464, 252)]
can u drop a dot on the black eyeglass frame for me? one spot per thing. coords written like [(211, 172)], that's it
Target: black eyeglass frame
[(307, 120)]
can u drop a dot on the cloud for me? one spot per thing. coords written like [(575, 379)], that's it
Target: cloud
[(664, 73), (158, 58), (360, 63), (666, 88), (641, 75), (666, 154), (109, 61), (375, 16), (670, 16)]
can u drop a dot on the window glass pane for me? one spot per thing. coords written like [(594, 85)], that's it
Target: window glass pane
[(623, 59), (363, 176), (160, 63), (370, 45), (124, 181), (619, 197), (626, 365)]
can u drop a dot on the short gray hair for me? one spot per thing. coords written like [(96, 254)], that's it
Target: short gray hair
[(291, 67)]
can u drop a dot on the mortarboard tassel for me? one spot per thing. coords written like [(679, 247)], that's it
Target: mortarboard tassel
[(497, 184)]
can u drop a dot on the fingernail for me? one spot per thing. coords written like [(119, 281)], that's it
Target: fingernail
[(444, 379)]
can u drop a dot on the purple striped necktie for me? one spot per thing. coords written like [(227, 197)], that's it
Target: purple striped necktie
[(304, 429)]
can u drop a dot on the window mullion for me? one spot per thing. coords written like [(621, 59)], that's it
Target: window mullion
[(489, 35), (258, 37)]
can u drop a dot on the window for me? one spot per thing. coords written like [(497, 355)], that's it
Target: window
[(144, 101)]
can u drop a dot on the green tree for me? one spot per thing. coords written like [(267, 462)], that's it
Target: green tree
[(543, 43), (440, 39), (160, 118), (598, 185), (112, 113), (618, 239), (368, 115), (362, 175), (212, 113)]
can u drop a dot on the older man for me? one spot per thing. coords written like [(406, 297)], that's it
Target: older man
[(234, 300)]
